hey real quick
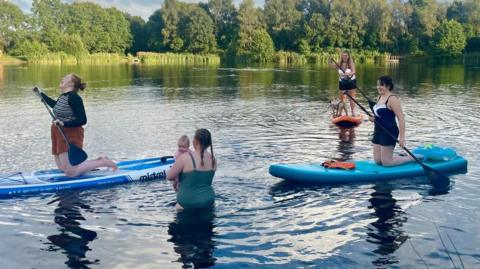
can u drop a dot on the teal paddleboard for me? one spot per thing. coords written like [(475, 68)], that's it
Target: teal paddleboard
[(364, 171)]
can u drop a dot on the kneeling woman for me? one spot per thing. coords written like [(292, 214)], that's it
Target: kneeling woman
[(71, 117), (195, 171), (387, 110)]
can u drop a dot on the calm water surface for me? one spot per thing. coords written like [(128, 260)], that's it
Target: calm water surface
[(258, 116)]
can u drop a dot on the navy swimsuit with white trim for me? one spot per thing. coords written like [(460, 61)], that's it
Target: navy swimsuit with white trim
[(386, 118)]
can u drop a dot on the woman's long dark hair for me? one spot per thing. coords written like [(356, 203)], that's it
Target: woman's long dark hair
[(204, 138)]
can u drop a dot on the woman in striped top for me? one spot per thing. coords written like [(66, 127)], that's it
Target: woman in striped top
[(70, 114)]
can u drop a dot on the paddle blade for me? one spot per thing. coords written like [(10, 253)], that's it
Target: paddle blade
[(440, 182), (76, 155)]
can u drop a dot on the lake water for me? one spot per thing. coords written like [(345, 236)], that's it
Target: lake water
[(257, 116)]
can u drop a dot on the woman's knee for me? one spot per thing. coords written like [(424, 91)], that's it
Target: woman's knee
[(71, 172)]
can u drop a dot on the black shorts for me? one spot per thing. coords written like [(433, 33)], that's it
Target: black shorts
[(345, 85), (380, 137)]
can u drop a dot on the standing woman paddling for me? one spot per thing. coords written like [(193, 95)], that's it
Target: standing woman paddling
[(346, 78), (387, 110), (70, 116), (195, 171)]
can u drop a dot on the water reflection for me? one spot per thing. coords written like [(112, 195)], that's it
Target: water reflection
[(346, 147), (386, 232), (192, 232), (72, 238)]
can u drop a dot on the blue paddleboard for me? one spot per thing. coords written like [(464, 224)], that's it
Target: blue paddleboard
[(364, 171), (55, 180)]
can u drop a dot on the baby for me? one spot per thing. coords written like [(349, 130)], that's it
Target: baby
[(337, 106), (183, 147)]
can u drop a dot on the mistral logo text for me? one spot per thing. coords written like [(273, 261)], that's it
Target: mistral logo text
[(152, 176)]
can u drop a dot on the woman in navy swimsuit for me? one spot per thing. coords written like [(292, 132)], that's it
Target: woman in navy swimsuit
[(387, 110)]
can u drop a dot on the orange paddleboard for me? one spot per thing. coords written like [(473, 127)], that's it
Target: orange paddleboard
[(347, 121)]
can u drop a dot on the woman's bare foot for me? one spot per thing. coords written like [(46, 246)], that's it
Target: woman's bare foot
[(109, 163)]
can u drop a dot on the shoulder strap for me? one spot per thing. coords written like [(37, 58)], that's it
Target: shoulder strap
[(193, 160), (386, 102)]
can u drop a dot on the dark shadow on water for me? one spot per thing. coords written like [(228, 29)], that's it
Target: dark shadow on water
[(72, 239), (192, 233), (386, 232)]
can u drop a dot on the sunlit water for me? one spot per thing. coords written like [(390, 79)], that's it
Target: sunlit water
[(258, 116)]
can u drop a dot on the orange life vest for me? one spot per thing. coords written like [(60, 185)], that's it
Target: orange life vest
[(338, 165)]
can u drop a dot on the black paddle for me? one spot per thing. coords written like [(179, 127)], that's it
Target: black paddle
[(439, 181), (76, 155), (371, 103)]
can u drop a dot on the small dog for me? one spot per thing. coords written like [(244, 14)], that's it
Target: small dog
[(337, 106)]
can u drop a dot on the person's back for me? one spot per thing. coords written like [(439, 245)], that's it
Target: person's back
[(196, 189), (195, 171)]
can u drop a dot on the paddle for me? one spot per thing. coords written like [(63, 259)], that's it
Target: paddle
[(439, 181), (371, 103), (76, 155)]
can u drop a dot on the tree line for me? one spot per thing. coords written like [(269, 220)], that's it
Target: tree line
[(249, 32)]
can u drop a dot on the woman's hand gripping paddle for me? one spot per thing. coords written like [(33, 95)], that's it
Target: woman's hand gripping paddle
[(76, 155), (439, 181)]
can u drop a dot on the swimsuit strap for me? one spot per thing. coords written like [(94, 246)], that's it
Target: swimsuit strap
[(193, 161), (386, 102)]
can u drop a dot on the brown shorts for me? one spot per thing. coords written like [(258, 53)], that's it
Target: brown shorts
[(74, 135)]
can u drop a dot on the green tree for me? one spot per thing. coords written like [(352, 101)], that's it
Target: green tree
[(283, 22), (346, 25), (259, 48), (473, 7), (153, 31), (448, 39), (457, 11), (379, 15), (400, 35), (197, 31), (139, 34), (171, 15), (73, 45), (101, 30), (314, 33), (224, 16), (422, 23), (13, 25), (29, 48), (253, 43), (50, 20)]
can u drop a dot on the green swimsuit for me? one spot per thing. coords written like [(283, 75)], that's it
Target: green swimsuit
[(196, 188)]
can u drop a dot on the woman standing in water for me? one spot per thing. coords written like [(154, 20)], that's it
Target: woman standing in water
[(70, 117), (195, 171)]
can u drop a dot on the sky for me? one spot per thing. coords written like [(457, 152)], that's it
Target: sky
[(142, 8)]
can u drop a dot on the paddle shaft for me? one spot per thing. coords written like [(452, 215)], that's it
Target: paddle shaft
[(386, 131), (54, 118), (361, 92)]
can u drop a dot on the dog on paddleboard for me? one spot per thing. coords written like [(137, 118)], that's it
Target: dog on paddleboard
[(337, 107)]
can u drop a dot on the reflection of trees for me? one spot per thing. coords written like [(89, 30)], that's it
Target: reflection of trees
[(73, 239), (346, 143), (386, 231), (192, 233)]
